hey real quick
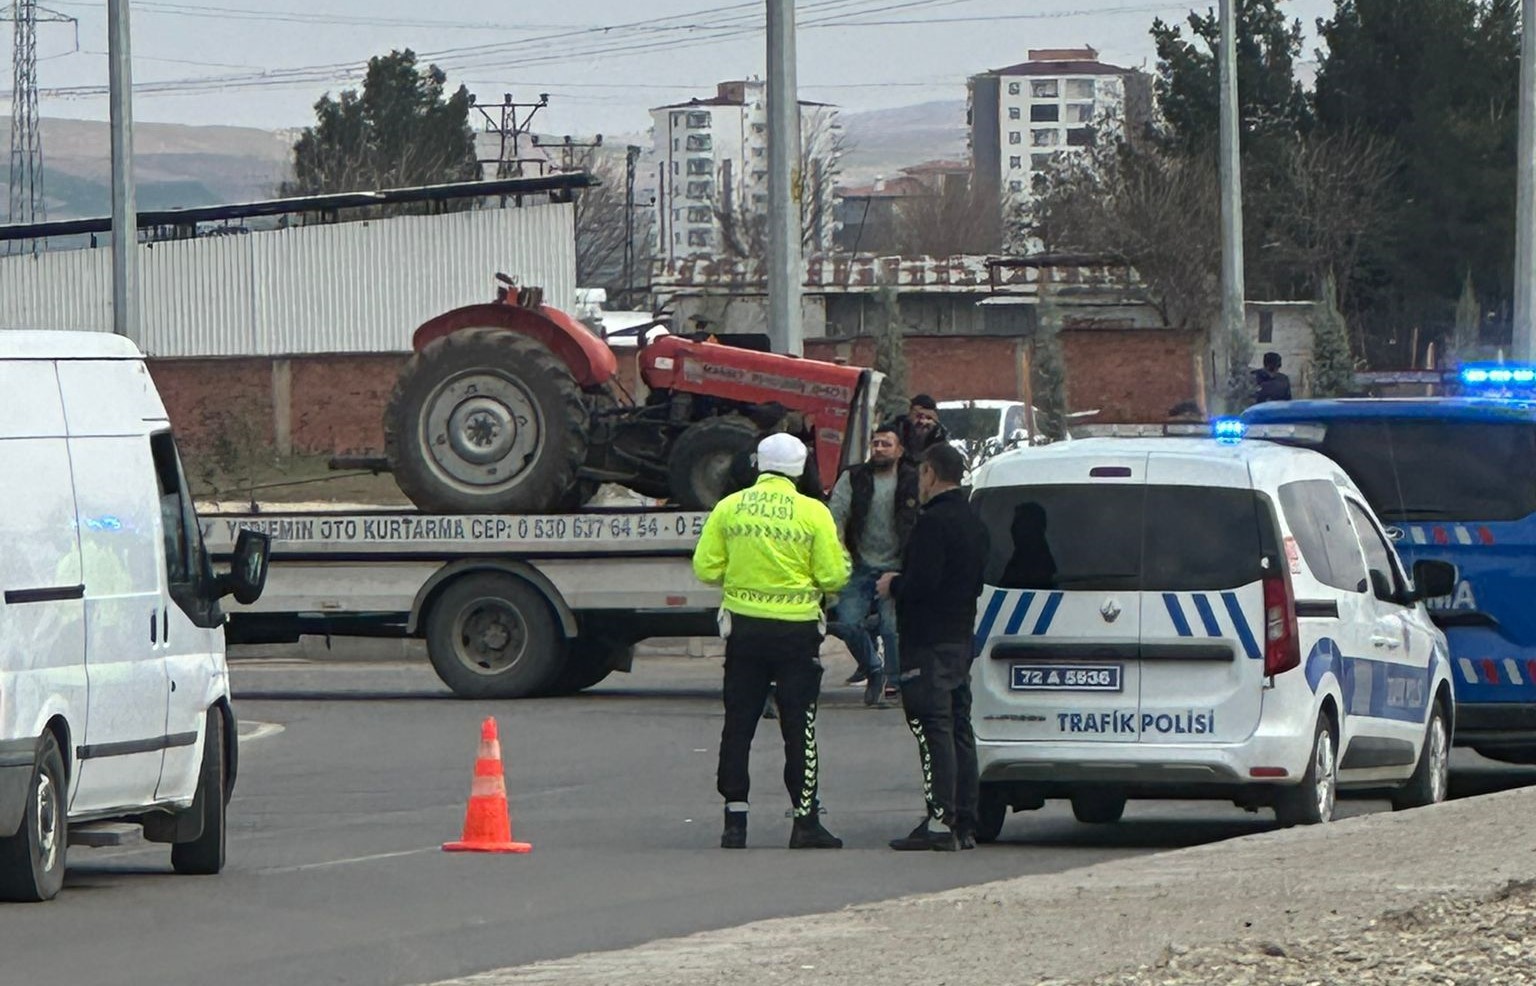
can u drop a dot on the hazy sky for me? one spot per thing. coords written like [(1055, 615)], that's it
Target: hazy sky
[(264, 63)]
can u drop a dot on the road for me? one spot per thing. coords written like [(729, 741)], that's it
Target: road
[(351, 776)]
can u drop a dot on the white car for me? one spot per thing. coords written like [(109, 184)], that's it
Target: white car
[(1192, 618), (114, 694)]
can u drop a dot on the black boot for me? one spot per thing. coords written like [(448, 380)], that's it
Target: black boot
[(809, 834), (921, 839), (873, 691), (735, 834)]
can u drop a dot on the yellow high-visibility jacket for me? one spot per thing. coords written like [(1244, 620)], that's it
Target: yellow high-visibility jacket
[(775, 552)]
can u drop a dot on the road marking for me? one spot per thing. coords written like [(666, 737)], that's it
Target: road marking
[(346, 862), (252, 730)]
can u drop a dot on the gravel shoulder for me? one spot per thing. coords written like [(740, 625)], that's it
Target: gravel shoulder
[(1438, 895)]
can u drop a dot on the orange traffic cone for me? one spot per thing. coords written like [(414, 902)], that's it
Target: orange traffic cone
[(487, 825)]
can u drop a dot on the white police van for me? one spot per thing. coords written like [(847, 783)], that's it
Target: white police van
[(1185, 617)]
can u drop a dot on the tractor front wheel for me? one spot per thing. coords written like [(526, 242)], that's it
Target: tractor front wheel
[(711, 460)]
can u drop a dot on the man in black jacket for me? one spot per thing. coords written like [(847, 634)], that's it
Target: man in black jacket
[(919, 429), (935, 595)]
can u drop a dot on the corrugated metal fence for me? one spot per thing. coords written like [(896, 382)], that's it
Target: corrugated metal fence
[(352, 287)]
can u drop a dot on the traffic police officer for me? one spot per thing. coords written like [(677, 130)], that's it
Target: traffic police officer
[(777, 555)]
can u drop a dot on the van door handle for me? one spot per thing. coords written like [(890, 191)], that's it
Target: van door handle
[(1390, 643), (165, 625), (154, 626)]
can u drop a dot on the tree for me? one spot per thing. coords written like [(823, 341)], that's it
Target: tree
[(400, 131), (949, 223), (743, 222), (1271, 103), (1333, 365), (600, 214), (1144, 206), (1469, 319), (1437, 80), (891, 355)]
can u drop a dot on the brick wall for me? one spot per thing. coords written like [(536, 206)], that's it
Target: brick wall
[(1133, 375), (334, 404)]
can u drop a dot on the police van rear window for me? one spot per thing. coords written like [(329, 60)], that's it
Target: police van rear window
[(1424, 470), (1126, 538)]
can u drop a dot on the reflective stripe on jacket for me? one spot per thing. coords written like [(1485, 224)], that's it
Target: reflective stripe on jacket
[(775, 552)]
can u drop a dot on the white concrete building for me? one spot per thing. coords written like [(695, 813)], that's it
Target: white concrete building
[(712, 172), (1057, 102)]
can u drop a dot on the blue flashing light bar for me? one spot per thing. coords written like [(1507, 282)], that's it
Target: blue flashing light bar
[(1498, 375), (1228, 431)]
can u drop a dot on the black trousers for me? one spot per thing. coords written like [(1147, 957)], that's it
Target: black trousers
[(936, 696), (759, 655)]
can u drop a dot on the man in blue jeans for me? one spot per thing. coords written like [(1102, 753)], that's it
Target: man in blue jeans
[(874, 505)]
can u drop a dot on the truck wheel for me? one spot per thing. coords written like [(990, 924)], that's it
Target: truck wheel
[(711, 460), (204, 855), (991, 812), (1311, 802), (1432, 777), (1098, 807), (32, 860), (589, 662), (485, 421), (492, 635)]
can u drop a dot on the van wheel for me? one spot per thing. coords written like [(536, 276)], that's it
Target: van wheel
[(1432, 777), (1312, 801), (991, 812), (492, 635), (32, 860), (204, 855), (1098, 808)]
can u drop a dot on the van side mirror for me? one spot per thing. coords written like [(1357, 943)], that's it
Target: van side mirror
[(247, 574), (1433, 579)]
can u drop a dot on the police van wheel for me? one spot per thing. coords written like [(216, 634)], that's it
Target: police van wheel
[(1431, 778), (32, 860), (1312, 801), (991, 812), (1098, 807), (492, 635)]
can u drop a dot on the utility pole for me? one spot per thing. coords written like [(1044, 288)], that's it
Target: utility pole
[(510, 128), (631, 158), (1231, 341), (125, 219), (1523, 348), (27, 203), (784, 316)]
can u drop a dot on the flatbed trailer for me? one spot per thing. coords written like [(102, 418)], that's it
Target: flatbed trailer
[(509, 605)]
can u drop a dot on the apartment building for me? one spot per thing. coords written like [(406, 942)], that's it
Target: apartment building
[(1059, 101), (712, 172)]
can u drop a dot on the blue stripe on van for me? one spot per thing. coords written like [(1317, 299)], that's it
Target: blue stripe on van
[(1019, 613), (1176, 613), (989, 617), (1240, 620), (1207, 616), (1043, 625)]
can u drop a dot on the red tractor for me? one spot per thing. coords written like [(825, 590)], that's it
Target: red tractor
[(516, 407)]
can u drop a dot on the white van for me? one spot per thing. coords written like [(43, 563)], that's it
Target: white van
[(1188, 618), (114, 694)]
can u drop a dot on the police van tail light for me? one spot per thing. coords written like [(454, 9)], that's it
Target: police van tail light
[(1282, 637)]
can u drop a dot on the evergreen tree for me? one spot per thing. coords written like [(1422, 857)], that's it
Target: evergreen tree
[(1469, 320), (1333, 365), (400, 131)]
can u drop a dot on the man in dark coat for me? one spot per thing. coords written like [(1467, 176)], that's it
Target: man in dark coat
[(935, 593)]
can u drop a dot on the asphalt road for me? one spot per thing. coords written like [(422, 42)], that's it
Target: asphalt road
[(352, 775)]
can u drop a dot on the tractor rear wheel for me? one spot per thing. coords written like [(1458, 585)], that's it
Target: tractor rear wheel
[(710, 460), (485, 421)]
